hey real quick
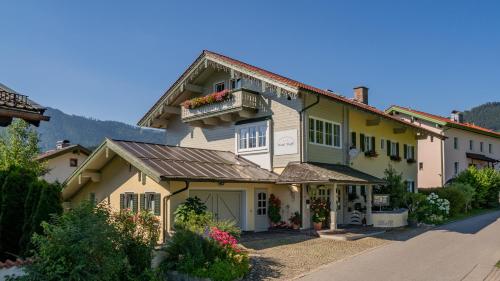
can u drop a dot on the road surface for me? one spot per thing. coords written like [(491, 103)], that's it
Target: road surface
[(464, 250)]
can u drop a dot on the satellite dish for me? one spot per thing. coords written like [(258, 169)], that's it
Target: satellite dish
[(353, 152)]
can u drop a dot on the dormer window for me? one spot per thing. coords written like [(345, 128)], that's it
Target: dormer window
[(219, 86)]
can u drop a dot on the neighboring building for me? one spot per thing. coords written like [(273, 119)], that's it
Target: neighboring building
[(63, 160), (15, 105), (463, 145), (304, 142)]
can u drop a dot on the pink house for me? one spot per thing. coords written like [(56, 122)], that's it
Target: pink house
[(464, 145)]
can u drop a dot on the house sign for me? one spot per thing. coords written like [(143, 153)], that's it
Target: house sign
[(285, 142)]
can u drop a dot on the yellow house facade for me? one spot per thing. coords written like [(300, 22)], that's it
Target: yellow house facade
[(267, 134)]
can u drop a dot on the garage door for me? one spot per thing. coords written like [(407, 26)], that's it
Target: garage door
[(225, 205)]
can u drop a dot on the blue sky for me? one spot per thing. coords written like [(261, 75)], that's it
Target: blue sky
[(113, 59)]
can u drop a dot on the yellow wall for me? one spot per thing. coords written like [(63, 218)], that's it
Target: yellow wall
[(384, 130)]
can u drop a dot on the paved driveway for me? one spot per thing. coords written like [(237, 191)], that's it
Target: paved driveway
[(465, 250)]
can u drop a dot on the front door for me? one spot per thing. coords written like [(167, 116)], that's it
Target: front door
[(261, 218)]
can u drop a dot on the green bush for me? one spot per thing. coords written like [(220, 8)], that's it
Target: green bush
[(274, 209), (91, 243), (486, 184), (191, 205), (395, 187)]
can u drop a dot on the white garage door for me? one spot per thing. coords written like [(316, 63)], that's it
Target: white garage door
[(225, 205)]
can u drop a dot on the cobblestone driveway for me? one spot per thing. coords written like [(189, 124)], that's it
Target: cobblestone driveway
[(282, 256)]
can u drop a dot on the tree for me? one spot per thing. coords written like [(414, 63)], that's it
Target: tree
[(19, 147), (395, 187)]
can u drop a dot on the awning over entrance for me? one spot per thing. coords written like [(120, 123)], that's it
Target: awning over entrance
[(481, 157), (312, 172)]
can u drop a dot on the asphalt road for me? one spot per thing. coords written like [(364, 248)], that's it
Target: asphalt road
[(464, 250)]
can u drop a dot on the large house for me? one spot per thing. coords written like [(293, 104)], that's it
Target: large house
[(16, 105), (236, 134), (463, 145), (62, 161)]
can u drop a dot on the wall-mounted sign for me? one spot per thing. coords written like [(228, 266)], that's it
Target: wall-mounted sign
[(381, 200), (285, 142)]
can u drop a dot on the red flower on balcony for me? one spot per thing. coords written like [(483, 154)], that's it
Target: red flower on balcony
[(208, 99)]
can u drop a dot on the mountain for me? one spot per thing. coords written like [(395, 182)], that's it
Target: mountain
[(90, 132), (486, 115)]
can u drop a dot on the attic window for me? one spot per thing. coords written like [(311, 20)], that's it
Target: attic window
[(73, 162), (219, 87)]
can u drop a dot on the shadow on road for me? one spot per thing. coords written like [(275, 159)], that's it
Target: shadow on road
[(473, 225)]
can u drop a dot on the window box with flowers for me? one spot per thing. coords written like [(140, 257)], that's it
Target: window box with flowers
[(371, 153), (208, 99)]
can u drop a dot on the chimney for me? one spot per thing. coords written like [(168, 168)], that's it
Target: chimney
[(457, 116), (60, 144), (361, 94)]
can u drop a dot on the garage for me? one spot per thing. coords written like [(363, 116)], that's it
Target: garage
[(225, 205)]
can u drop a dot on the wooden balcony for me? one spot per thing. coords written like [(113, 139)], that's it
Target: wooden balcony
[(243, 103)]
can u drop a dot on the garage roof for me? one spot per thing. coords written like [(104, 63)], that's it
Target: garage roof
[(313, 172)]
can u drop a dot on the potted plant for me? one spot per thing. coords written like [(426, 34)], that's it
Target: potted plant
[(295, 220), (318, 209)]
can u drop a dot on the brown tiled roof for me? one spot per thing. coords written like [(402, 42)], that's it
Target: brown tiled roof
[(448, 120), (292, 83), (12, 101), (313, 172), (481, 157), (173, 162), (56, 152)]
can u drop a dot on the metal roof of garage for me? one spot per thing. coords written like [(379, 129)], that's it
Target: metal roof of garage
[(313, 172)]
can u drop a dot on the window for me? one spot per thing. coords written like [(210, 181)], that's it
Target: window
[(455, 143), (367, 143), (410, 186), (471, 145), (409, 152), (150, 202), (490, 148), (324, 133), (432, 138), (219, 86), (129, 201), (261, 203), (394, 151), (456, 168), (421, 166), (382, 142), (252, 137), (235, 83), (73, 162), (481, 144)]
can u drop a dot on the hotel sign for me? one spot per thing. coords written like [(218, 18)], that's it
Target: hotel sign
[(285, 142)]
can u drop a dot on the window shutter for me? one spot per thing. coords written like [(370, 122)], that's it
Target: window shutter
[(397, 149), (157, 203), (405, 151), (122, 201), (362, 142), (388, 148), (353, 139), (135, 205), (373, 144), (142, 198), (413, 152)]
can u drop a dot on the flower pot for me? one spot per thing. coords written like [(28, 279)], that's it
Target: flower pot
[(317, 225), (295, 226)]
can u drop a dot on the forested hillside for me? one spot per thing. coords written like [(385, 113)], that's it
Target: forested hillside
[(486, 115)]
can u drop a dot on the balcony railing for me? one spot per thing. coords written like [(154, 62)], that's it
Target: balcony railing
[(13, 99), (241, 100)]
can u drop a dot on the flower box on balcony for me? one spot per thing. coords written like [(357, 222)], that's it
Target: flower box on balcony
[(371, 153), (208, 99), (410, 161), (395, 158)]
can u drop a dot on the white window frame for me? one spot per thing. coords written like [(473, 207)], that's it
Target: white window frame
[(218, 83), (368, 143), (323, 143), (149, 205), (409, 154), (247, 127), (129, 198), (410, 184), (394, 148)]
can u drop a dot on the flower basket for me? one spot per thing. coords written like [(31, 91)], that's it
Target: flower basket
[(208, 99), (317, 225), (371, 153), (395, 158)]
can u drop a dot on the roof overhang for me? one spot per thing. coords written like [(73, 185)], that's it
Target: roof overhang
[(481, 157), (322, 173)]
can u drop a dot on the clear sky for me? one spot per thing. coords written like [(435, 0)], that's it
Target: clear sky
[(113, 59)]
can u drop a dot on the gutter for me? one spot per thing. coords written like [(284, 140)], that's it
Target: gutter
[(166, 204)]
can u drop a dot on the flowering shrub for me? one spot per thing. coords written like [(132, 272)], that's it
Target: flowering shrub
[(208, 99), (319, 209), (436, 209), (274, 209), (223, 238)]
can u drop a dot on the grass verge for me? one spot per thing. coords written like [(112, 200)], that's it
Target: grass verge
[(471, 213)]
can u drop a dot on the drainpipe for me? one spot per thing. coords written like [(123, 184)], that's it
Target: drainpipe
[(302, 148), (166, 203)]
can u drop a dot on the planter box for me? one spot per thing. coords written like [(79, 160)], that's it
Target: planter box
[(390, 219)]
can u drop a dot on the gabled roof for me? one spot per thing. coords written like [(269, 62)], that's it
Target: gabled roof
[(162, 162), (298, 86), (14, 104), (56, 152), (312, 172), (443, 120)]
